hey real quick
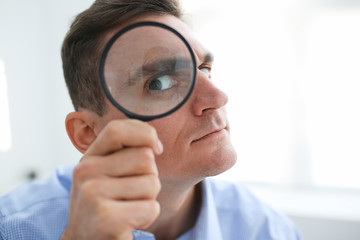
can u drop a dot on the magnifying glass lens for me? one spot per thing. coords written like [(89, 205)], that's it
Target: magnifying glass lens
[(148, 70)]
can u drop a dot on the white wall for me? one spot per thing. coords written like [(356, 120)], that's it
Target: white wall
[(31, 35)]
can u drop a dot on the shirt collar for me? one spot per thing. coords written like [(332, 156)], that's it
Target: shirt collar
[(207, 226)]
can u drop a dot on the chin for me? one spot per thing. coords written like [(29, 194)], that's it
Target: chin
[(206, 161), (219, 161)]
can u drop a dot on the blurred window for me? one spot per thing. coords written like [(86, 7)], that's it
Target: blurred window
[(292, 72)]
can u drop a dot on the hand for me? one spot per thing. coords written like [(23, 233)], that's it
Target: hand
[(116, 183)]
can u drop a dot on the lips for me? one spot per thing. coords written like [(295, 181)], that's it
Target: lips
[(211, 128), (211, 133), (210, 125)]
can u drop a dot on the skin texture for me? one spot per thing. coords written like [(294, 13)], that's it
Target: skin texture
[(132, 169)]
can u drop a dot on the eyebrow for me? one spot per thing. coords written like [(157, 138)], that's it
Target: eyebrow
[(209, 57), (162, 65)]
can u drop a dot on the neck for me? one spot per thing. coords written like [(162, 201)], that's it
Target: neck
[(179, 210)]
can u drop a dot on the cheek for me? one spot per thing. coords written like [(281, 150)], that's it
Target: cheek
[(171, 131), (168, 129)]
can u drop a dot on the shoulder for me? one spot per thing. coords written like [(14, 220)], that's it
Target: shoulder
[(38, 209), (236, 204)]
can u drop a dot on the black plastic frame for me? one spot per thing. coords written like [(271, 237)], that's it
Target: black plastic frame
[(102, 65)]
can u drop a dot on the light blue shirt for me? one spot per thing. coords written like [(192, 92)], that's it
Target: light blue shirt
[(39, 210)]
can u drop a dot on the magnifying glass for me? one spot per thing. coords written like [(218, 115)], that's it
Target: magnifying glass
[(147, 70)]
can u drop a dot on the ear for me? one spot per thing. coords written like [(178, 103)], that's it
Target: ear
[(80, 129)]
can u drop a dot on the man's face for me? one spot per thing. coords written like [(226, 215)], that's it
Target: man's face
[(196, 137)]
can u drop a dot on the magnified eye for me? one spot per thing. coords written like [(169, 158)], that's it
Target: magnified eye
[(206, 70), (161, 83)]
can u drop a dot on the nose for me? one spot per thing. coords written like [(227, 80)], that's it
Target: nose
[(206, 96)]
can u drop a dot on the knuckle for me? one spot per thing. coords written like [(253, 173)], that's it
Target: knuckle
[(149, 132), (146, 163), (81, 171), (151, 210), (147, 156), (154, 183), (90, 189), (112, 132), (118, 129), (134, 124), (113, 126), (102, 211), (155, 209)]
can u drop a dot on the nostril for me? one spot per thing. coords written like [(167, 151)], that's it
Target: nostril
[(208, 99)]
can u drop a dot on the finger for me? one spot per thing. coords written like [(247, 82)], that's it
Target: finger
[(138, 214), (124, 163), (129, 188), (125, 133), (129, 162)]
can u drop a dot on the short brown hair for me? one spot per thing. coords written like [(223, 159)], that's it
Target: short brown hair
[(82, 48)]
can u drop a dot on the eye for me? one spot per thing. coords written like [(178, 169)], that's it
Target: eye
[(161, 83), (206, 70)]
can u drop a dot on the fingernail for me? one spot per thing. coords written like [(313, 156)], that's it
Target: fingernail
[(159, 148)]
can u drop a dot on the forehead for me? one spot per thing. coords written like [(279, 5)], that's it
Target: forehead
[(172, 21)]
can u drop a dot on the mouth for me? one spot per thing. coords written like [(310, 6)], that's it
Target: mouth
[(211, 134)]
